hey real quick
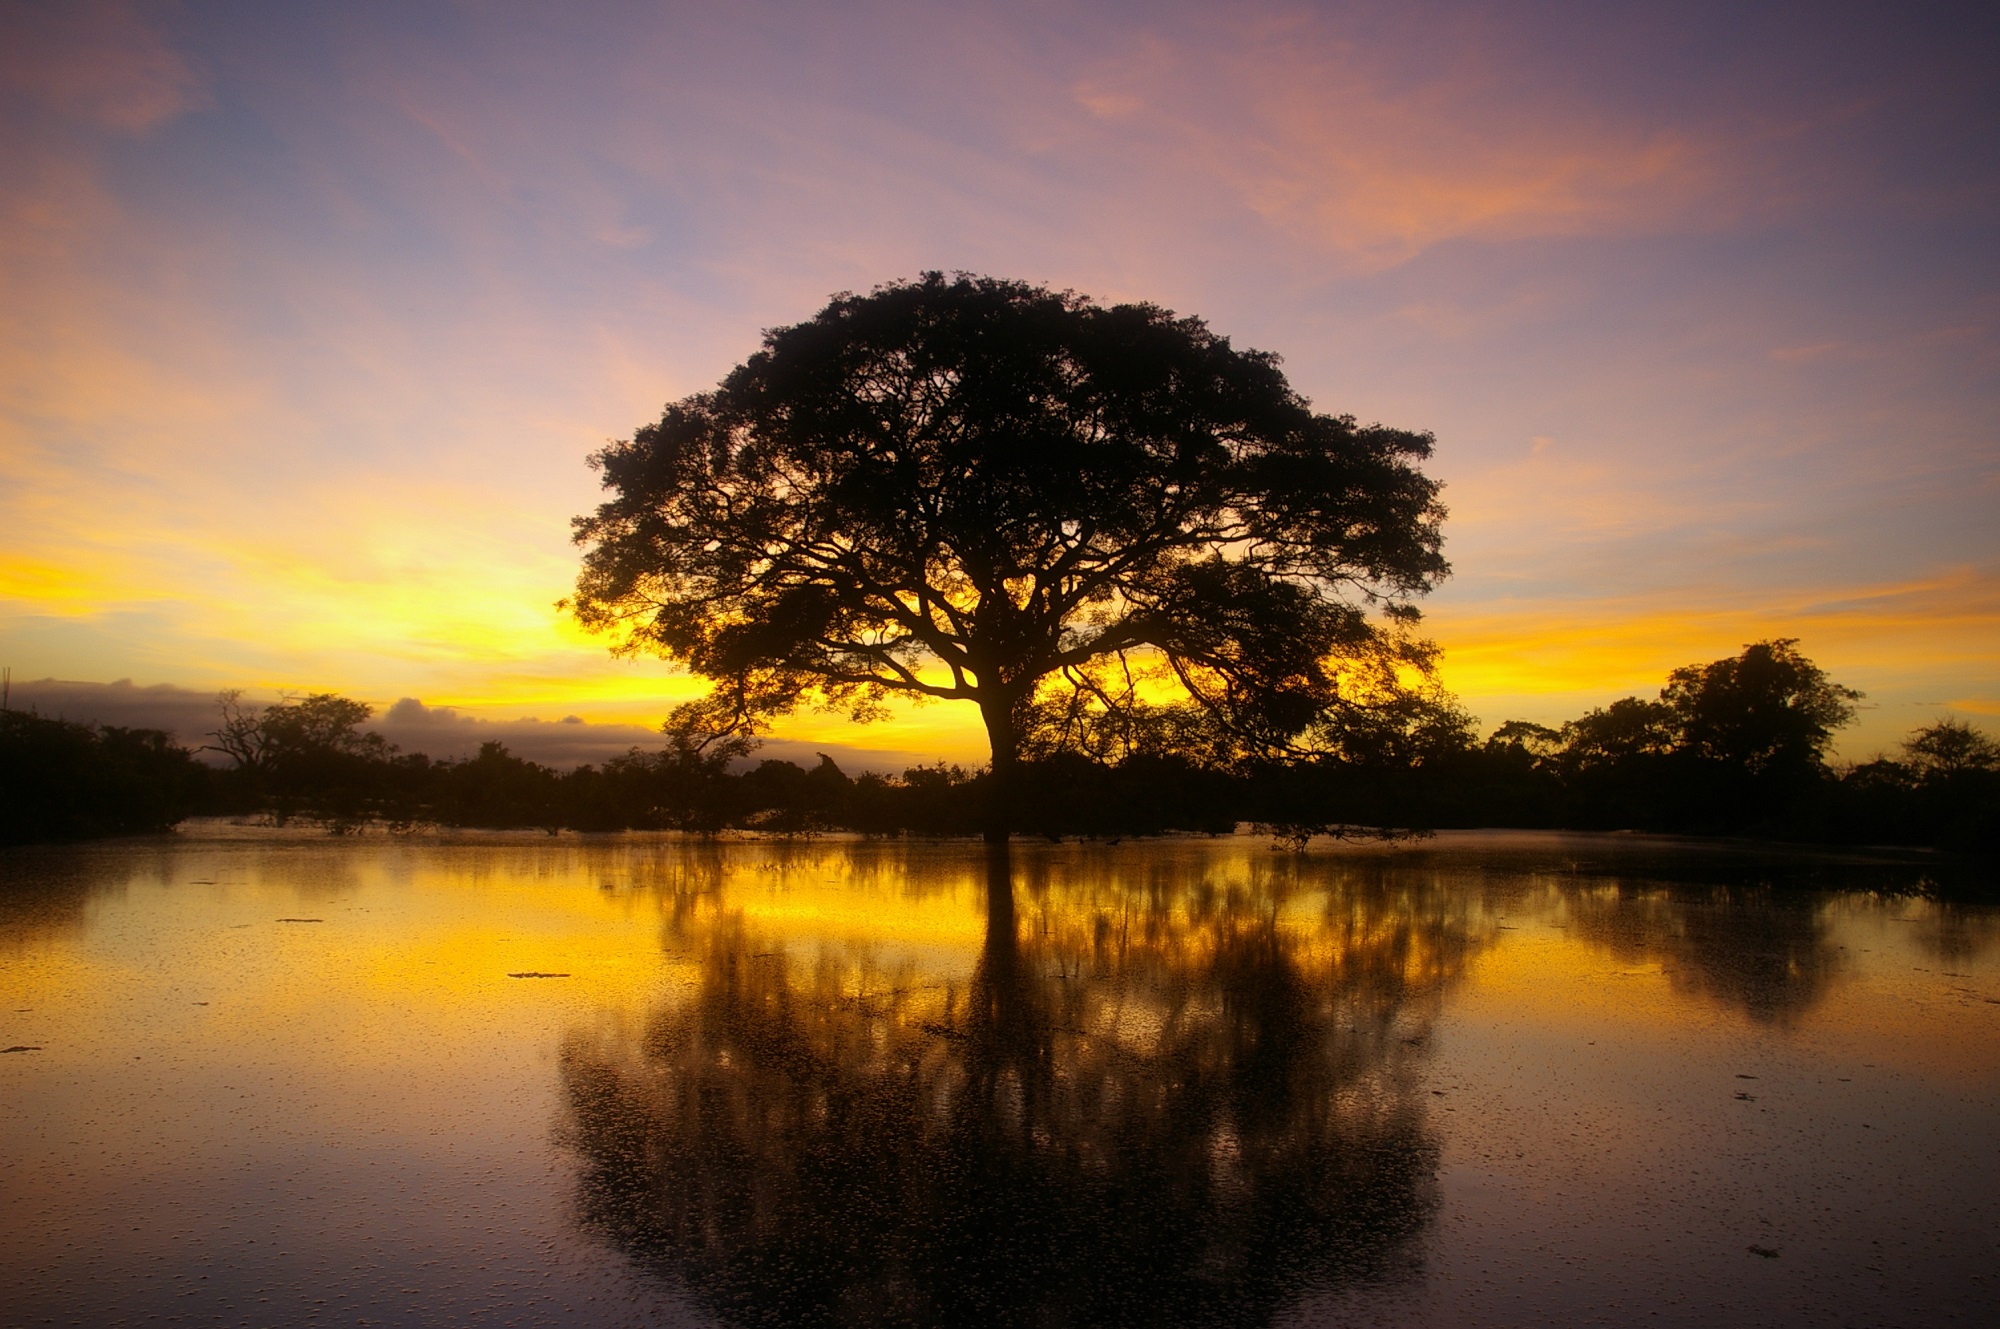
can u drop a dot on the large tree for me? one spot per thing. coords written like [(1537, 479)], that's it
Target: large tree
[(1769, 712), (979, 490)]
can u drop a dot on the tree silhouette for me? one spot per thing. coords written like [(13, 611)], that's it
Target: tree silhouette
[(1953, 774), (305, 753), (979, 490), (1950, 749), (64, 781), (297, 731), (1769, 711)]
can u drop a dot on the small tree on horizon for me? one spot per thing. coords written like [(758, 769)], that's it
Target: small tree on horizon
[(1948, 748), (979, 490), (261, 740)]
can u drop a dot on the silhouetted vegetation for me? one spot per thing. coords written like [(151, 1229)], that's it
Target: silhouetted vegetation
[(978, 490), (1733, 747), (1945, 791), (306, 755), (63, 781)]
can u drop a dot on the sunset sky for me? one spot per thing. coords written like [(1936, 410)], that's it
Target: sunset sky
[(311, 312)]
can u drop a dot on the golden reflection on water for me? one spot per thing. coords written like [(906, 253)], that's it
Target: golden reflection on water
[(1184, 1097), (834, 1081)]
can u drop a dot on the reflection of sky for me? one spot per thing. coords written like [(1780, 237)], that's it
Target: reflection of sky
[(312, 313), (1632, 1064)]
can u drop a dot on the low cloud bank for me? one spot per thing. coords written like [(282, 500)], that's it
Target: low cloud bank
[(187, 714), (441, 731), (444, 731)]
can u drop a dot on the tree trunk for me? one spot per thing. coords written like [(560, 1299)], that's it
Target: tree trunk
[(1003, 773)]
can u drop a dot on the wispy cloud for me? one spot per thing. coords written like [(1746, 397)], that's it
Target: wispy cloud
[(98, 61), (308, 315), (1310, 134)]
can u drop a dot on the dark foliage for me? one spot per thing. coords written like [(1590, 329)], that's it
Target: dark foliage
[(62, 781), (1732, 747), (985, 491), (1737, 746), (1944, 792), (307, 756)]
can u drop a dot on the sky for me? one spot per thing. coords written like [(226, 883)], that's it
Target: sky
[(311, 313)]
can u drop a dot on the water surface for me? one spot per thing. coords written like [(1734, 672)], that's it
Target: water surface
[(274, 1079)]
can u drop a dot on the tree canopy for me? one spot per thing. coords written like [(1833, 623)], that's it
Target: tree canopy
[(963, 488), (297, 731), (1769, 709)]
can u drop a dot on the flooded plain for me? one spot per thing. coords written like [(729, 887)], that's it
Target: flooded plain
[(269, 1079)]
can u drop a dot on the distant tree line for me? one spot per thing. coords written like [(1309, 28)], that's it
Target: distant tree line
[(1733, 747), (62, 781)]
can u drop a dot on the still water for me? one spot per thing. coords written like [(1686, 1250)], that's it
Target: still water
[(268, 1079)]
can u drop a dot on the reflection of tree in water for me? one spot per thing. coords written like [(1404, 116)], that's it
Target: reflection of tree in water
[(1955, 933), (47, 891), (1767, 953), (1185, 1107), (36, 904)]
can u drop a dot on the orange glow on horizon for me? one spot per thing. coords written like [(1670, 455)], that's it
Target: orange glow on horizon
[(299, 370)]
